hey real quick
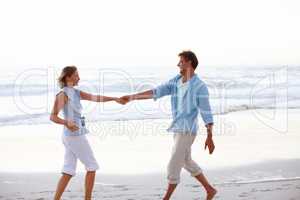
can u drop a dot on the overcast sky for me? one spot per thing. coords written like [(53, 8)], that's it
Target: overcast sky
[(139, 32)]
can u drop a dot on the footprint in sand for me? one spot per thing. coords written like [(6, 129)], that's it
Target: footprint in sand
[(278, 188), (46, 192), (244, 194), (266, 190), (121, 187), (254, 190), (286, 184), (193, 186)]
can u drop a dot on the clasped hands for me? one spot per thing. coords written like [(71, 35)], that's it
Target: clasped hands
[(124, 99)]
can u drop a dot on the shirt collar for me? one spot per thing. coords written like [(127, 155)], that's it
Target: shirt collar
[(194, 77)]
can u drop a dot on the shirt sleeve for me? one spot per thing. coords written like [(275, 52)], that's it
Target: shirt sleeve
[(204, 105), (163, 90)]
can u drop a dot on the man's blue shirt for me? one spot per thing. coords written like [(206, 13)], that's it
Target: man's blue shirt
[(195, 99)]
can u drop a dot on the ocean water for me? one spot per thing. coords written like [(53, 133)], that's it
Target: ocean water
[(27, 95)]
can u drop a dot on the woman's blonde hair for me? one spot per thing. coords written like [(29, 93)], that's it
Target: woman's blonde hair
[(66, 72)]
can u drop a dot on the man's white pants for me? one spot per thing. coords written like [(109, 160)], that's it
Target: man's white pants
[(181, 158), (78, 147)]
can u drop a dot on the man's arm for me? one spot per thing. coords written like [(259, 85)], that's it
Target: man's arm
[(158, 92), (209, 140), (204, 106), (139, 96), (209, 128), (206, 114)]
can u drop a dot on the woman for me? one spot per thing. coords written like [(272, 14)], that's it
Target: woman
[(74, 139)]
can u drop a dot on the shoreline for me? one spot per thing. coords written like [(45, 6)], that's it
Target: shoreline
[(152, 186)]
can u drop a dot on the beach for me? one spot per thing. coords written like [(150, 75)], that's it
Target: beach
[(128, 70), (252, 160), (151, 186)]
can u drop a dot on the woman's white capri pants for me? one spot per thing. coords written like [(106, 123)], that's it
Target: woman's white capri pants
[(78, 147)]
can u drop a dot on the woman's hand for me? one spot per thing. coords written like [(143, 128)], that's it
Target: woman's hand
[(71, 126)]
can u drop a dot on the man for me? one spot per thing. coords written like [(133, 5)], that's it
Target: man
[(189, 94)]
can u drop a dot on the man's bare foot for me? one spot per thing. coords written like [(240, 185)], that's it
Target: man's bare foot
[(211, 193)]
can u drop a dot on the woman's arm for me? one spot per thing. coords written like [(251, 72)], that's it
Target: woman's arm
[(59, 103), (96, 98), (148, 94)]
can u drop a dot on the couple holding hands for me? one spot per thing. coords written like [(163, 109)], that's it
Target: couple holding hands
[(189, 97)]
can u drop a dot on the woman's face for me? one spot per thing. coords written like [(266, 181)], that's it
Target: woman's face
[(73, 79)]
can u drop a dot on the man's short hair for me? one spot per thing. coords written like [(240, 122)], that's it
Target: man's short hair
[(190, 56)]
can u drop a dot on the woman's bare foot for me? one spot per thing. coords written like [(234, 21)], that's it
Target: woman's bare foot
[(211, 193)]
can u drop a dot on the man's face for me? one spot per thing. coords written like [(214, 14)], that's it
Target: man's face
[(183, 64)]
